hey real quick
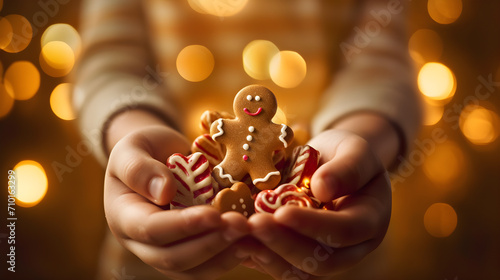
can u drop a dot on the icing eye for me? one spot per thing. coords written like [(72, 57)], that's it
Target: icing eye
[(249, 97), (257, 98)]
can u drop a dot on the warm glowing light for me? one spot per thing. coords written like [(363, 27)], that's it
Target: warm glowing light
[(479, 125), (433, 113), (60, 101), (436, 81), (21, 33), (305, 183), (287, 69), (22, 80), (301, 133), (195, 63), (5, 33), (440, 220), (220, 8), (257, 57), (444, 164), (57, 59), (31, 183), (279, 117), (64, 33), (444, 11), (426, 45), (6, 102)]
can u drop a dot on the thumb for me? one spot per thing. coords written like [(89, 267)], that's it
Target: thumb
[(348, 165)]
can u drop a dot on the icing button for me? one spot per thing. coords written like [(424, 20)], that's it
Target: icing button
[(246, 147), (251, 128), (249, 138), (245, 157)]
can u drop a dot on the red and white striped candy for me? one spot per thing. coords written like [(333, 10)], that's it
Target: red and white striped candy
[(303, 164), (212, 150), (195, 185), (208, 117), (270, 200)]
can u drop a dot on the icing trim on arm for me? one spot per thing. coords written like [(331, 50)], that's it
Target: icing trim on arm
[(219, 127), (225, 176), (258, 180), (283, 135)]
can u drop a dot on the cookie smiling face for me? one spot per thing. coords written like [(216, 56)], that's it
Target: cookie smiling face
[(255, 101)]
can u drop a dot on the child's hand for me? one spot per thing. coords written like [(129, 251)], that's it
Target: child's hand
[(197, 242), (300, 242)]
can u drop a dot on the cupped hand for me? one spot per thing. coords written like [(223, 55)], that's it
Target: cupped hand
[(193, 243), (304, 243)]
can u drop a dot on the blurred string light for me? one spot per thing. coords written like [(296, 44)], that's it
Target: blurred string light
[(445, 164), (220, 8), (5, 33), (21, 34), (440, 220), (479, 125), (444, 11), (436, 81), (425, 45), (22, 80), (60, 45), (57, 59), (432, 113), (257, 57), (195, 63), (6, 101), (31, 183), (60, 101), (287, 69)]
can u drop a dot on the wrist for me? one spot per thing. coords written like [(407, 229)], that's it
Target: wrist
[(126, 122), (382, 135)]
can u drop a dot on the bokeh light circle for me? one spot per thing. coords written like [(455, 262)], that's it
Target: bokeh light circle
[(57, 59), (444, 11), (5, 32), (257, 57), (440, 220), (60, 101), (432, 113), (287, 69), (444, 164), (22, 32), (195, 63), (6, 101), (426, 45), (31, 183), (220, 8), (436, 81), (64, 33), (22, 80), (479, 125)]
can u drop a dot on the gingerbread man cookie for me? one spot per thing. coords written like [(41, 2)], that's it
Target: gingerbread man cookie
[(251, 139), (237, 198)]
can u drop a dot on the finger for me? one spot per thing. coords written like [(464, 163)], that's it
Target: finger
[(348, 165), (317, 265), (192, 252), (132, 163), (131, 216), (359, 217)]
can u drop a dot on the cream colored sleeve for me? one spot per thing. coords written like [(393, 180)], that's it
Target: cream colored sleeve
[(378, 75), (115, 70)]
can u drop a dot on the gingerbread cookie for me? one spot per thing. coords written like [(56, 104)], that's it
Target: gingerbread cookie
[(251, 139), (212, 150), (195, 186), (208, 117), (237, 198), (268, 201)]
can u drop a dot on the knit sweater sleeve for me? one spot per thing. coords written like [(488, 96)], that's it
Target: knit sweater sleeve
[(377, 75), (115, 71)]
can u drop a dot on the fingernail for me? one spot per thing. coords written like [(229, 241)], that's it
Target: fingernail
[(231, 234), (263, 258), (156, 186), (263, 235), (242, 254)]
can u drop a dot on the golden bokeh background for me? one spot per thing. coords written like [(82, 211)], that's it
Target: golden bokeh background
[(446, 195)]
